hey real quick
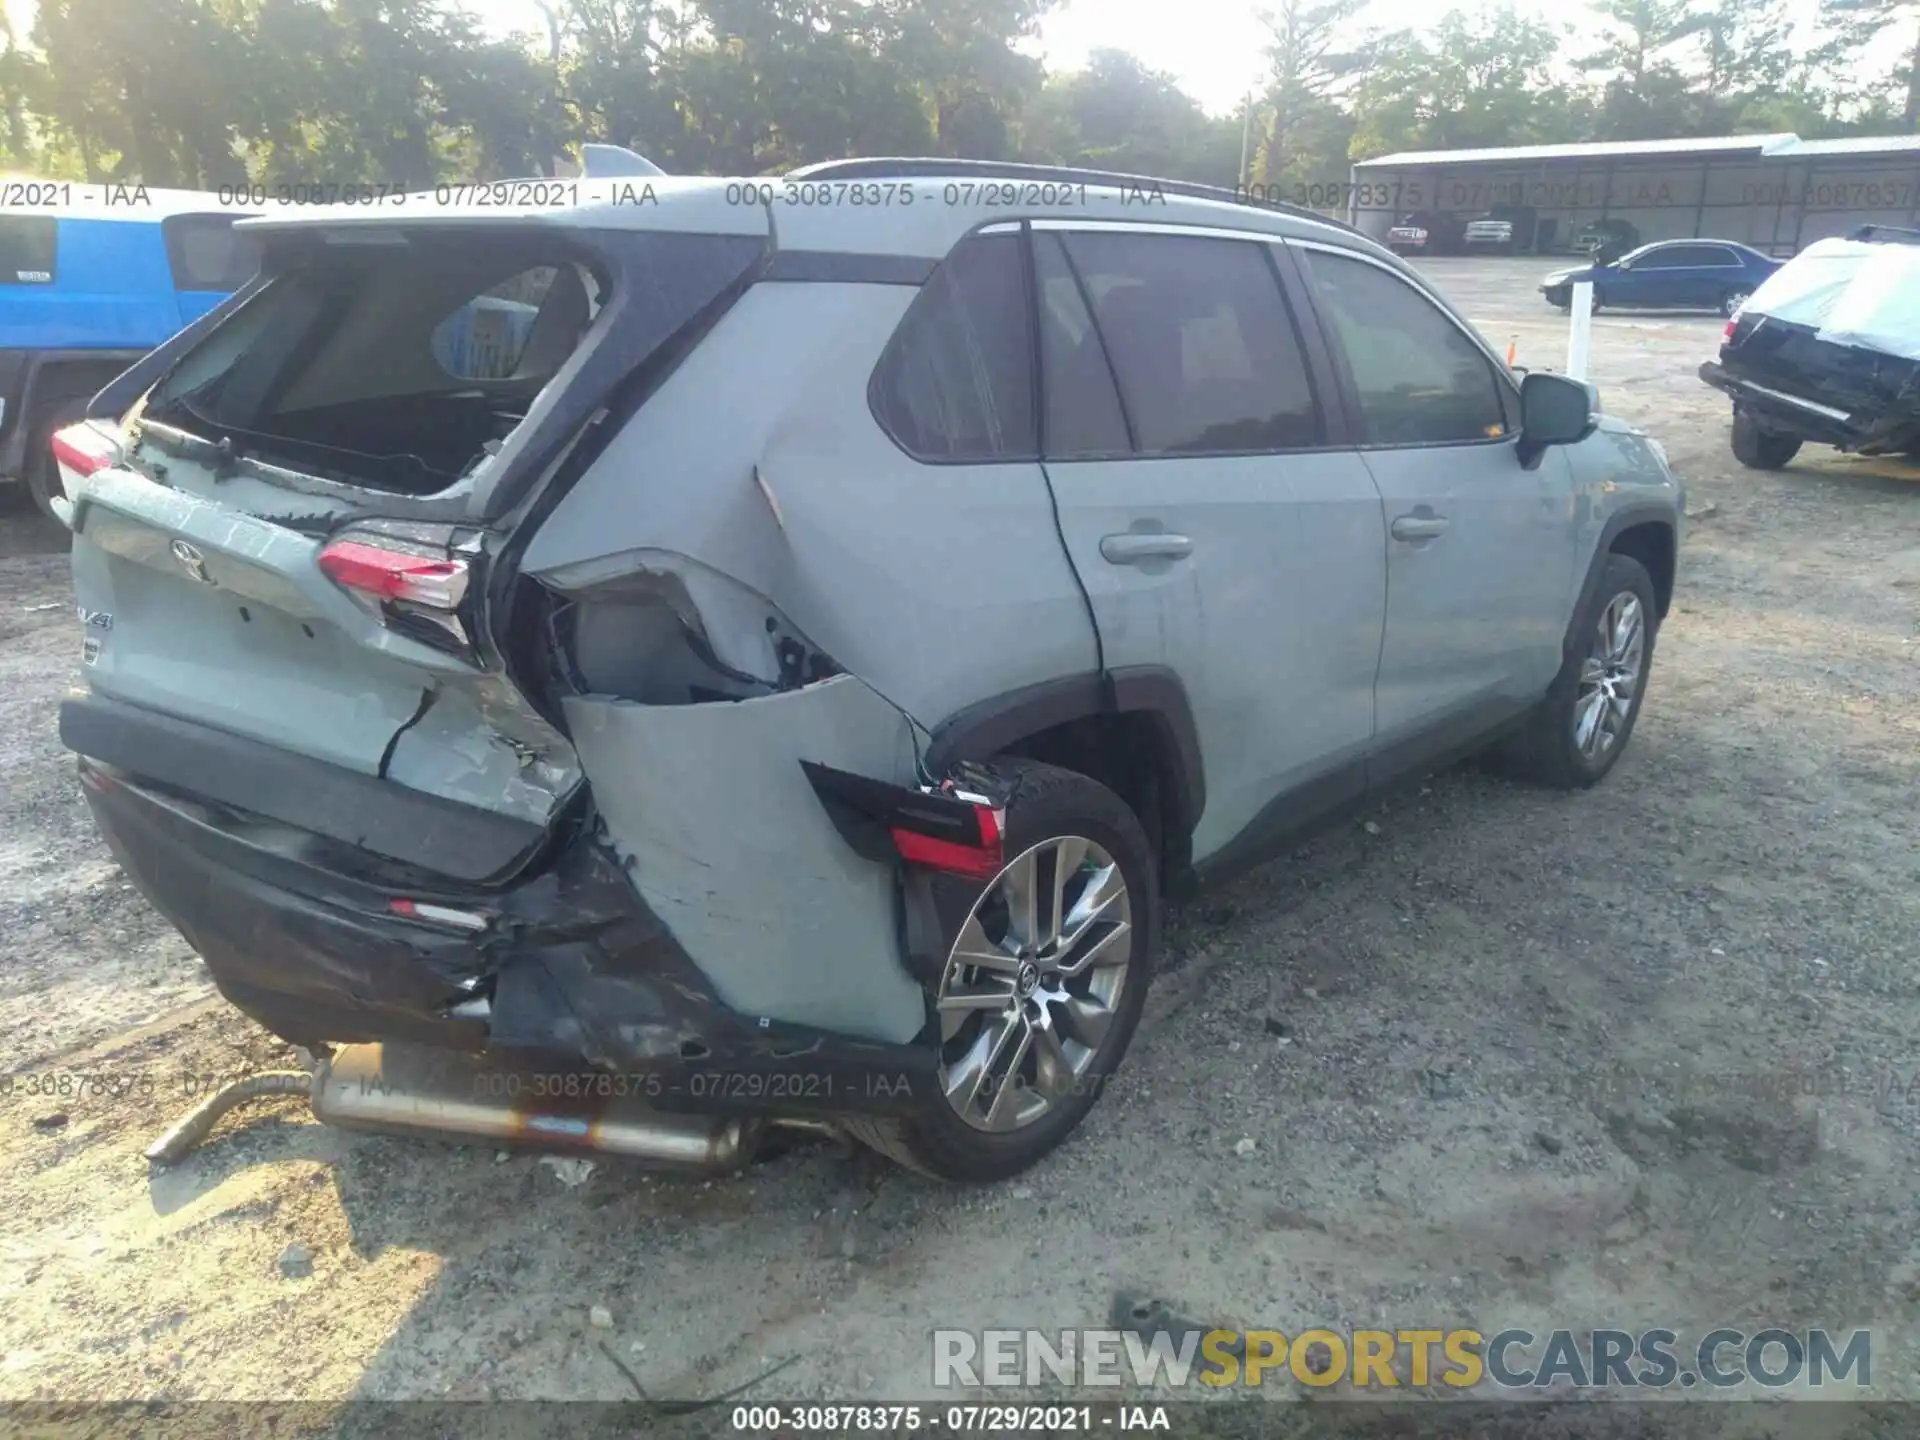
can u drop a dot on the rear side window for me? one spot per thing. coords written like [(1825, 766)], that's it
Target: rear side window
[(1201, 343), (207, 253), (956, 381), (29, 248), (1419, 379)]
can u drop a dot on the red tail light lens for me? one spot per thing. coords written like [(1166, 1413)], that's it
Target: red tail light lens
[(83, 449), (1727, 334), (395, 575), (978, 862)]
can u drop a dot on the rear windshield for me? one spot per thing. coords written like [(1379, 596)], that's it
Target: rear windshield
[(393, 366), (29, 246)]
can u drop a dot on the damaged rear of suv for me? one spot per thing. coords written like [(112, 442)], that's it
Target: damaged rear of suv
[(1828, 351), (415, 756)]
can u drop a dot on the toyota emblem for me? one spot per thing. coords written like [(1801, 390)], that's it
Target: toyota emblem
[(192, 561)]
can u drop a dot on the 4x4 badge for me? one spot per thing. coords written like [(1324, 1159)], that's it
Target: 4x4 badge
[(189, 556)]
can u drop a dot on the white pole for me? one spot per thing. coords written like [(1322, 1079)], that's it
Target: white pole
[(1580, 329)]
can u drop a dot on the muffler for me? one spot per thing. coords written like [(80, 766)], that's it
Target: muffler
[(417, 1090)]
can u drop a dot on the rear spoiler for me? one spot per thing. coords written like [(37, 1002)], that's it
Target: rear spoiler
[(610, 162)]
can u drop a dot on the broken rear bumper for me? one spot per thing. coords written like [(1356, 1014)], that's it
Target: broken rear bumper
[(571, 967), (1846, 422)]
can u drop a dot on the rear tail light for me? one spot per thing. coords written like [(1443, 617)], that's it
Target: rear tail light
[(981, 861), (83, 449), (1727, 334), (383, 574)]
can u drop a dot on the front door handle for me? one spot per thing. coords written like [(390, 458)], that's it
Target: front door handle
[(1421, 525), (1136, 546)]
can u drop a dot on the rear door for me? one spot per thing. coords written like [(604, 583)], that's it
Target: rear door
[(1219, 524), (277, 543), (1480, 550)]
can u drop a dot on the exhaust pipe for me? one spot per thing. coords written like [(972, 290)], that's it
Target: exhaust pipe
[(416, 1090)]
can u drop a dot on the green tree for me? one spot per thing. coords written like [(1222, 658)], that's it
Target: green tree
[(1303, 130)]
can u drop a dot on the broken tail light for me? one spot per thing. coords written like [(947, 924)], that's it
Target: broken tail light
[(383, 574), (959, 831), (979, 857), (83, 449)]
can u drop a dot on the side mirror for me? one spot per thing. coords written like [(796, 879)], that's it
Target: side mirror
[(1555, 410)]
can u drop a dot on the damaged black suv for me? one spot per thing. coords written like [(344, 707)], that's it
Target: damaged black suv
[(1828, 351)]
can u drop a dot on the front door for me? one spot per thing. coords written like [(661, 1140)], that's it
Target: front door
[(1480, 550), (1216, 531)]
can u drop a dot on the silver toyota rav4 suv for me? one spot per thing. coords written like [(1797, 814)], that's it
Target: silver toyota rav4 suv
[(704, 654)]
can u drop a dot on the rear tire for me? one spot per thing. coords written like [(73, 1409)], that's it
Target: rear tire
[(1063, 1051), (1759, 449), (1577, 733)]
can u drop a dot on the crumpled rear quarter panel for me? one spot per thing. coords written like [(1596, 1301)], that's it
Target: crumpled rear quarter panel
[(726, 842)]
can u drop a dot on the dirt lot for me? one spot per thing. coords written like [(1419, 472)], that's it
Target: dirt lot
[(1643, 1056)]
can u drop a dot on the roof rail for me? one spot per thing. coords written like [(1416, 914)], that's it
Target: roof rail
[(1891, 234), (608, 162), (882, 167)]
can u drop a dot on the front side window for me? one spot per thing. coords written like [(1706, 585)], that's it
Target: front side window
[(1418, 377), (956, 381), (1200, 341)]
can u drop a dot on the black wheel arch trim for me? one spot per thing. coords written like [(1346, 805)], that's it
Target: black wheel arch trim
[(988, 727), (1617, 525)]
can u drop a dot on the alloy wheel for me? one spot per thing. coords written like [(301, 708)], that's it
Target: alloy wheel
[(1732, 301), (1610, 676), (1033, 982)]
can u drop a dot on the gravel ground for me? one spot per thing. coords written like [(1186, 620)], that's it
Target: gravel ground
[(1642, 1056)]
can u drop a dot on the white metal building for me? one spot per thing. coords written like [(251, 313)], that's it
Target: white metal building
[(1774, 192)]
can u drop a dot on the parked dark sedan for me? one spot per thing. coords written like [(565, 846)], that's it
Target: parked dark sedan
[(1669, 275)]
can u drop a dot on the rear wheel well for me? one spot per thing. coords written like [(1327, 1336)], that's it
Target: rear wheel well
[(1652, 545), (1133, 757)]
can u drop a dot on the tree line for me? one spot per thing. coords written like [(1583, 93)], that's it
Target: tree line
[(204, 93)]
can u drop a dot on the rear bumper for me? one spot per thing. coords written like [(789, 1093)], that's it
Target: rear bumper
[(1788, 414), (571, 967)]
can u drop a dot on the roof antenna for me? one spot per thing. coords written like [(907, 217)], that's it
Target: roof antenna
[(606, 162)]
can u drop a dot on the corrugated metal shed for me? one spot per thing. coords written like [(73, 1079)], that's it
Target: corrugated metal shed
[(1594, 150), (1782, 146)]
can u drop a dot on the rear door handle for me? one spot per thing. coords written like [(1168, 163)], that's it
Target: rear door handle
[(1418, 526), (1136, 546)]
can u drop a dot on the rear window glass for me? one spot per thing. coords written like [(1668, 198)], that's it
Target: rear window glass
[(400, 367), (29, 246), (401, 359), (207, 253)]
